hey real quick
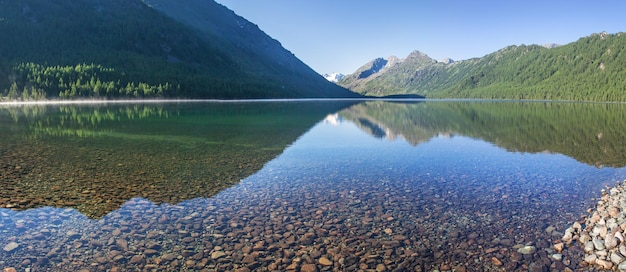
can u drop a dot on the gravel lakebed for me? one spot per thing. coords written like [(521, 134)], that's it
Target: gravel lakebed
[(271, 223), (602, 233), (106, 209)]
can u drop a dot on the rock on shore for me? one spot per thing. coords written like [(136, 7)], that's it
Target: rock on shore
[(602, 233)]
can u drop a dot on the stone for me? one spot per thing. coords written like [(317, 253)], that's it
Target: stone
[(325, 261), (308, 268), (399, 237), (248, 259), (577, 226), (381, 268), (496, 261), (217, 254), (122, 244), (591, 258), (516, 257), (613, 211), (72, 234), (537, 267), (559, 247), (610, 242), (588, 247), (569, 233), (11, 246), (527, 250), (598, 244), (9, 269), (137, 259), (606, 265)]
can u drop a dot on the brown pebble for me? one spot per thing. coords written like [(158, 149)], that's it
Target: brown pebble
[(248, 259), (122, 244), (399, 237), (559, 247), (136, 259), (325, 261), (292, 266), (169, 257), (495, 261), (308, 268), (516, 257), (217, 254), (10, 269)]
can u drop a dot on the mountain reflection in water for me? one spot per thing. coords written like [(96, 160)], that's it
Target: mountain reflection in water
[(96, 157), (590, 133), (270, 187)]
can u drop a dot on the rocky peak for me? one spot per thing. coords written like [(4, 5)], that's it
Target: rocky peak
[(372, 67)]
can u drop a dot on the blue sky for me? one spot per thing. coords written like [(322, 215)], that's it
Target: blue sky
[(340, 36)]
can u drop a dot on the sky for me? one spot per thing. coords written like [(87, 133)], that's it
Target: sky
[(342, 35)]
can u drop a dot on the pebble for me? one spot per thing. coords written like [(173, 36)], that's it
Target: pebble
[(527, 250), (324, 261), (136, 259), (11, 246), (308, 268), (496, 261), (217, 254)]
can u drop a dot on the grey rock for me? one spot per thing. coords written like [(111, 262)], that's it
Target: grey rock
[(527, 250), (598, 244), (11, 246)]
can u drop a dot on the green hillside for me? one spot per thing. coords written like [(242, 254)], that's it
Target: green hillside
[(124, 48), (590, 69)]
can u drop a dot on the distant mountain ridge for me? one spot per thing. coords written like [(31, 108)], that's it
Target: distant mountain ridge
[(143, 49), (590, 69)]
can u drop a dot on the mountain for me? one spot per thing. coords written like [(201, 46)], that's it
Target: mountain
[(590, 69), (261, 55), (134, 48), (334, 77)]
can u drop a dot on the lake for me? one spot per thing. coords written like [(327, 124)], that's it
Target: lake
[(347, 185)]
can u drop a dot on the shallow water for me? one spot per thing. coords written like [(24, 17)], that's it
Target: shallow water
[(302, 185)]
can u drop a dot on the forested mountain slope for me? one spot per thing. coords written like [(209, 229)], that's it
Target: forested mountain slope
[(590, 69), (126, 48), (256, 51)]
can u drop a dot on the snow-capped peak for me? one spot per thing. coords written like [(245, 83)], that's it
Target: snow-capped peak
[(334, 77)]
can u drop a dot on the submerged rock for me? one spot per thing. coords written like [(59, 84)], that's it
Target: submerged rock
[(527, 250), (11, 246)]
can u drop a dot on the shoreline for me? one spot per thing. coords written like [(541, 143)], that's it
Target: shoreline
[(601, 233)]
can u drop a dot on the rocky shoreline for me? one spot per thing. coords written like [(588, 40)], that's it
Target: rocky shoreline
[(602, 234)]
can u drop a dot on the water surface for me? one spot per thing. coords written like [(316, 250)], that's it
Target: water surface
[(296, 185)]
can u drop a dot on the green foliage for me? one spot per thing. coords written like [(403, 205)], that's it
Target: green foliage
[(35, 82), (590, 69)]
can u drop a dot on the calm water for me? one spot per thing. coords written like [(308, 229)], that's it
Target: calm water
[(342, 186)]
